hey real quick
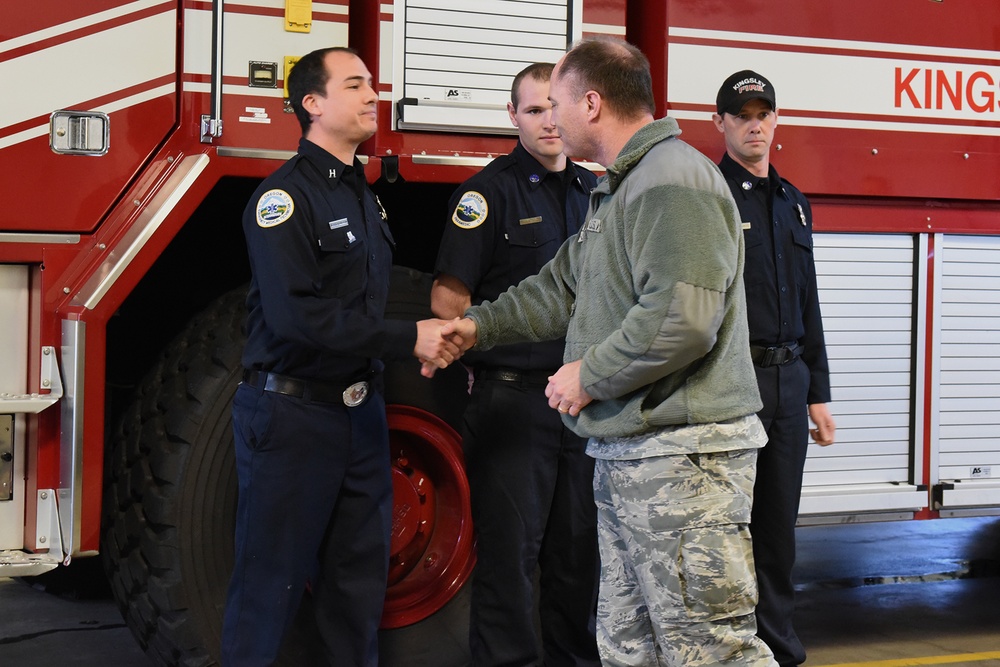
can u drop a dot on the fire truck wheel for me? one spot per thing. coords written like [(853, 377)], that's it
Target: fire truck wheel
[(170, 499), (170, 492), (432, 551)]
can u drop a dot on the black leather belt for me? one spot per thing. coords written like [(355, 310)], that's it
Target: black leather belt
[(351, 395), (776, 355), (514, 375)]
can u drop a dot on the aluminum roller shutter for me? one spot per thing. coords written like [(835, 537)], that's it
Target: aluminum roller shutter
[(866, 289), (967, 395), (456, 59)]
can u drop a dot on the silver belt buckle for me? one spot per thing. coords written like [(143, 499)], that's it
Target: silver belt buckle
[(356, 394)]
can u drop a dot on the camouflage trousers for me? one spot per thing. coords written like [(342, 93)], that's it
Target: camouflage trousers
[(677, 574)]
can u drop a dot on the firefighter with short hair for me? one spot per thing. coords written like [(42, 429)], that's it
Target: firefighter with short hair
[(529, 476), (786, 342), (311, 438)]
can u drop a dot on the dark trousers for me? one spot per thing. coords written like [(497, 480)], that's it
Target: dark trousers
[(776, 504), (532, 505), (315, 506)]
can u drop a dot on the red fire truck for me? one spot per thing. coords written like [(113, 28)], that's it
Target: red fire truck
[(133, 132)]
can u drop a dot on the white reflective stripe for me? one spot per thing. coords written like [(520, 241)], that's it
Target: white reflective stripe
[(892, 87), (111, 107), (89, 68), (318, 7), (788, 40), (603, 29), (76, 24)]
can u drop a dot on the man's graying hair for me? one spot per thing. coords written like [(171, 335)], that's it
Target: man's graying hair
[(615, 69)]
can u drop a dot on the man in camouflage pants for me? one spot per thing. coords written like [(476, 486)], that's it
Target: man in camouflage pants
[(657, 370), (679, 588)]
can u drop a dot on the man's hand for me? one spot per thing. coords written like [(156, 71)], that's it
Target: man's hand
[(565, 392), (452, 337), (462, 331), (823, 434), (433, 348)]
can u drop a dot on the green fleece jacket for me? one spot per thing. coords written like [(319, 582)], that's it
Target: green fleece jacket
[(649, 295)]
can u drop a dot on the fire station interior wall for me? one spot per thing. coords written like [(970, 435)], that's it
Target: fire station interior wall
[(968, 387), (456, 59), (866, 290), (13, 380)]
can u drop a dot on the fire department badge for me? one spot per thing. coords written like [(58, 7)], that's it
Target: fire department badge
[(356, 394), (273, 208), (471, 210)]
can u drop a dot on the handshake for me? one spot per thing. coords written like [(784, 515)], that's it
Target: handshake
[(441, 342)]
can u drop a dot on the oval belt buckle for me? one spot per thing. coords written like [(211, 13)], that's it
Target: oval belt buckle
[(356, 394)]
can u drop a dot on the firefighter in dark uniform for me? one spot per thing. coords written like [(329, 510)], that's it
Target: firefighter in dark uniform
[(786, 343), (530, 479), (312, 453)]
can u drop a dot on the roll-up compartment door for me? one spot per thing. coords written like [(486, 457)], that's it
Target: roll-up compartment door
[(968, 388), (866, 289), (456, 59)]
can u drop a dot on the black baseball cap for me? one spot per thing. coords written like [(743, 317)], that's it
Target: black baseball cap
[(742, 87)]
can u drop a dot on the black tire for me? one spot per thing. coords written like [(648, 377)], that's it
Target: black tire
[(170, 492), (170, 496)]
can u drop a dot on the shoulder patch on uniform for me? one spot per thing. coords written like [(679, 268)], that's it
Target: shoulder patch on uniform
[(471, 211), (273, 208)]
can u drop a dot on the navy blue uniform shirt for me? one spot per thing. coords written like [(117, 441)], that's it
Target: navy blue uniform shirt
[(507, 222), (779, 271), (320, 258)]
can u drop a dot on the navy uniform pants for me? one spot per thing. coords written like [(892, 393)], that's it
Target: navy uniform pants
[(315, 507), (532, 506), (776, 495)]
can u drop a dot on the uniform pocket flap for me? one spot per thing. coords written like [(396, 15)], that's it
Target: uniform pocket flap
[(341, 239), (531, 236), (711, 509)]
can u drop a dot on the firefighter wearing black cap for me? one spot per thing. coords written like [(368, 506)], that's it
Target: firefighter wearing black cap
[(530, 478), (311, 439), (786, 342)]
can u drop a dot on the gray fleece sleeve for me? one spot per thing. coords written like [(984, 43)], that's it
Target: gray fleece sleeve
[(686, 332), (536, 309)]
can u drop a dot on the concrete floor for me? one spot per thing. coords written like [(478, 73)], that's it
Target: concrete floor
[(910, 593), (870, 595)]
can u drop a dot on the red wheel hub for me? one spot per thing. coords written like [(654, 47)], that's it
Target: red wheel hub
[(432, 552)]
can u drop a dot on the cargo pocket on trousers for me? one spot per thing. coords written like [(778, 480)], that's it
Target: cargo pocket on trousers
[(714, 554)]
